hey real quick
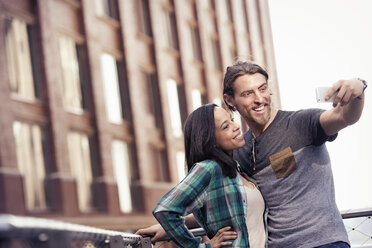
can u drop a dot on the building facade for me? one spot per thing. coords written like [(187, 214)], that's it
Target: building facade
[(94, 94)]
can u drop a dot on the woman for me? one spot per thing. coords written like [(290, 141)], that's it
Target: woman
[(213, 190)]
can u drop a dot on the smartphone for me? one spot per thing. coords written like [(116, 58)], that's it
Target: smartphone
[(321, 93)]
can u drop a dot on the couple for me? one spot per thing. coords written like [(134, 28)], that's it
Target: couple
[(283, 151)]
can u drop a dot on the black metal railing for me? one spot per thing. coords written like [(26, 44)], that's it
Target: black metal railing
[(30, 232), (358, 224), (356, 213)]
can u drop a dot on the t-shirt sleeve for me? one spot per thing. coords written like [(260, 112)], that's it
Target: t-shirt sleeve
[(308, 122)]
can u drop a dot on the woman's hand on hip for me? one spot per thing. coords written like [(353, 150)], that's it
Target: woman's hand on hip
[(221, 236)]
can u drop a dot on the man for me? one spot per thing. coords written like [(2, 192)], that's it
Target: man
[(285, 152)]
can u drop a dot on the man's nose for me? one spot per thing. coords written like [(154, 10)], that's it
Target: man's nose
[(258, 96)]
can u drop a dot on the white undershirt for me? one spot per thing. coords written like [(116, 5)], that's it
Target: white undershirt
[(254, 217)]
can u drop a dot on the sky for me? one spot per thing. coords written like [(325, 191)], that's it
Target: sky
[(317, 43)]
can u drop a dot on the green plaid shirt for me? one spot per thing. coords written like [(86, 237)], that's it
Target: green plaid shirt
[(215, 200)]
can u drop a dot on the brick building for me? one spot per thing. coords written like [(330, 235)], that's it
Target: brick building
[(94, 94)]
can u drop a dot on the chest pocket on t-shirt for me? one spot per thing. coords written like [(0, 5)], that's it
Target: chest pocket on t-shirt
[(283, 163)]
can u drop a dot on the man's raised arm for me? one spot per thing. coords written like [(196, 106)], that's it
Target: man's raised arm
[(348, 105)]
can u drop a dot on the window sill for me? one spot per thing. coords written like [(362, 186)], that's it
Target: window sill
[(109, 20), (74, 3), (175, 53), (145, 38)]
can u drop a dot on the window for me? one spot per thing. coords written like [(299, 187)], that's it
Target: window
[(171, 29), (81, 169), (233, 55), (154, 98), (111, 89), (144, 17), (18, 53), (244, 16), (195, 41), (196, 98), (30, 159), (229, 10), (174, 107), (121, 164), (210, 4), (216, 54), (195, 35), (124, 89), (161, 164), (181, 165), (255, 31), (107, 8), (72, 90)]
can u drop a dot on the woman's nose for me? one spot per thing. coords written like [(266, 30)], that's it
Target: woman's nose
[(237, 126)]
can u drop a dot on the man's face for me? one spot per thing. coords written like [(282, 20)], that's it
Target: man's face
[(252, 99)]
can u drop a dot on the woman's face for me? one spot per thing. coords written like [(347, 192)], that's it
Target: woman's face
[(228, 134)]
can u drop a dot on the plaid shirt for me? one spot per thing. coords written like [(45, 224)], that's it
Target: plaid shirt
[(215, 200)]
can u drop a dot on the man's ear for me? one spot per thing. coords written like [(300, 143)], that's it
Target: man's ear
[(229, 100)]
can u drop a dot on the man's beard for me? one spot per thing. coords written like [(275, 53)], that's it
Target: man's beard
[(261, 120)]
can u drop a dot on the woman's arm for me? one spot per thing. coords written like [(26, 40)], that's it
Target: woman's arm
[(184, 198), (157, 232)]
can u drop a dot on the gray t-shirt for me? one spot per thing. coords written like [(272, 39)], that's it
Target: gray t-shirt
[(292, 168)]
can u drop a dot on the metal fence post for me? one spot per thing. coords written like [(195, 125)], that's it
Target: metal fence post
[(117, 242), (146, 242), (52, 240)]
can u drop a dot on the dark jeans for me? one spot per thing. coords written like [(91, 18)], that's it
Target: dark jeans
[(338, 244)]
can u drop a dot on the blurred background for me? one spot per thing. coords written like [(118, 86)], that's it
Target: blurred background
[(94, 94)]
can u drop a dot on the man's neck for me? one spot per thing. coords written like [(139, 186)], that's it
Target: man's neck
[(257, 130)]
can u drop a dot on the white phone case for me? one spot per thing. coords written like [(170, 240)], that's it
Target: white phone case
[(321, 92)]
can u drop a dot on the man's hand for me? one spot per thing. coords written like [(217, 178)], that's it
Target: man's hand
[(223, 234), (346, 108), (156, 232), (345, 91)]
